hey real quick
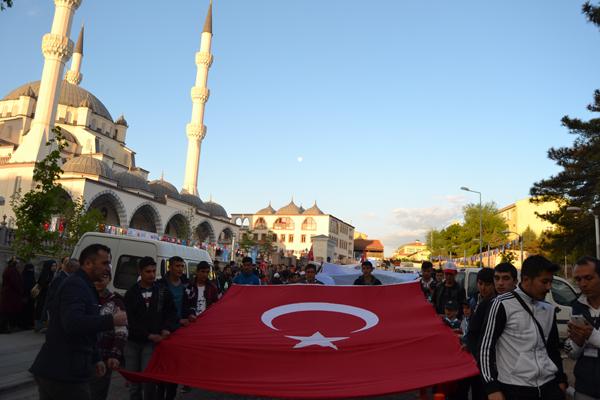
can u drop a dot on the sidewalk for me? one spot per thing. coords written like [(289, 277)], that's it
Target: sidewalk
[(17, 352)]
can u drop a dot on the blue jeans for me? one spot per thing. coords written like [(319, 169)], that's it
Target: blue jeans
[(137, 356)]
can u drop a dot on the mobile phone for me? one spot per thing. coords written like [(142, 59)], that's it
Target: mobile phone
[(578, 320)]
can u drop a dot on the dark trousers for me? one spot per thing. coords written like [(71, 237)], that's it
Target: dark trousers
[(55, 390), (166, 391), (549, 391), (100, 386)]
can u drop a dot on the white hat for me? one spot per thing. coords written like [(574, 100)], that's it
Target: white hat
[(450, 267)]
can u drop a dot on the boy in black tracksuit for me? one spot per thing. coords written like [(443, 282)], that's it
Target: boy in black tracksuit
[(152, 317)]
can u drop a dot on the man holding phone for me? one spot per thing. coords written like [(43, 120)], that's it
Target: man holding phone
[(584, 330)]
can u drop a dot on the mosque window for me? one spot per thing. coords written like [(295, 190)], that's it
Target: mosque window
[(291, 238), (68, 117), (93, 124), (309, 224), (303, 239), (17, 186), (282, 238), (283, 223), (260, 224)]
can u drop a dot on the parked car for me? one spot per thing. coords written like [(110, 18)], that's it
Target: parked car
[(562, 295)]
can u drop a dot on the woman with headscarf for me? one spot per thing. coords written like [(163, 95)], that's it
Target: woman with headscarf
[(11, 297), (28, 275), (48, 269)]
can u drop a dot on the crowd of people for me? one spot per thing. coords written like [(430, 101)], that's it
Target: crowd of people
[(507, 326), (512, 333)]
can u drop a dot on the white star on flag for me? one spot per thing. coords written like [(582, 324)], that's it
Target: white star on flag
[(317, 339)]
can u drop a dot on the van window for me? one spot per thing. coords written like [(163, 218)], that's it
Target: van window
[(460, 279), (562, 293), (126, 274), (472, 288)]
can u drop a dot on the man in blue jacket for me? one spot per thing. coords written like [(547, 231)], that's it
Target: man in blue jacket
[(69, 357), (246, 275)]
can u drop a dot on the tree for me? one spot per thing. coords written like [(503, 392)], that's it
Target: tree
[(578, 182), (247, 241), (4, 4), (36, 209), (266, 245), (457, 238)]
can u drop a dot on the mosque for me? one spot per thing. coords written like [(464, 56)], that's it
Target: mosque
[(98, 165)]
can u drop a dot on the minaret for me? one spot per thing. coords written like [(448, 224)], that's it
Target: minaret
[(74, 75), (196, 130), (57, 49)]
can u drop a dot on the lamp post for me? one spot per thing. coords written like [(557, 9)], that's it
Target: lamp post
[(596, 222), (520, 243), (466, 189)]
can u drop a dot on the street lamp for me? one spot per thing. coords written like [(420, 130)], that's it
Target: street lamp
[(597, 223), (520, 242), (466, 189)]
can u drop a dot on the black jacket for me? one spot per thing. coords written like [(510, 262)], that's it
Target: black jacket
[(587, 368), (70, 351), (361, 281), (442, 294), (143, 321), (476, 324), (58, 279)]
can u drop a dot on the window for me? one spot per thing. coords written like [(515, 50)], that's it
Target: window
[(260, 224), (17, 187), (126, 273), (309, 224), (284, 223), (255, 236), (562, 293), (282, 238), (303, 239), (263, 236), (290, 238)]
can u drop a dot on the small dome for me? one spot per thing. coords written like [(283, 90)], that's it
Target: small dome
[(215, 209), (314, 210), (121, 121), (266, 211), (192, 200), (290, 209), (162, 188), (130, 180), (88, 165)]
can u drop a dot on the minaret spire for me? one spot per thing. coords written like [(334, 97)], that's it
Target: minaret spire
[(57, 49), (74, 75), (196, 130)]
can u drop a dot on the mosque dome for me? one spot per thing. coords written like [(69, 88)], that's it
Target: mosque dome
[(88, 165), (162, 188), (215, 209), (290, 209), (314, 210), (130, 180), (266, 211), (192, 200), (70, 95)]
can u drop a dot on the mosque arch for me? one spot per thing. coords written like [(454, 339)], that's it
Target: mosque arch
[(260, 223), (177, 226), (110, 206), (309, 224), (146, 218), (225, 237), (205, 232)]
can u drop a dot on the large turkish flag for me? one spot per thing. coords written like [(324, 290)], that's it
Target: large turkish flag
[(313, 341)]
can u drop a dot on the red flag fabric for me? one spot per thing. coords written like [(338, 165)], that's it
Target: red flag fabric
[(311, 255), (313, 341)]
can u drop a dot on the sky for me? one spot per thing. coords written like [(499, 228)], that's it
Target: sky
[(378, 110)]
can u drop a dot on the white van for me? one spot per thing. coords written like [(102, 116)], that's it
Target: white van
[(127, 251), (562, 295)]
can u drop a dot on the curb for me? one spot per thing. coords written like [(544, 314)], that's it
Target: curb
[(15, 381)]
